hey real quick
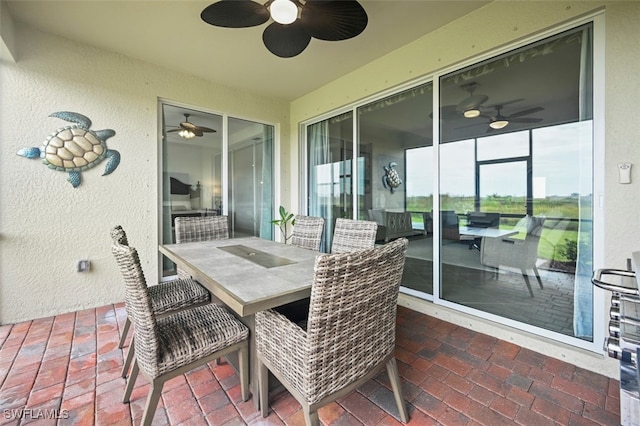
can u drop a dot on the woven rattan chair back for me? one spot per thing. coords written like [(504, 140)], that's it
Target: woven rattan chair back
[(350, 332), (139, 307), (351, 235), (173, 344), (352, 314), (190, 229), (307, 232)]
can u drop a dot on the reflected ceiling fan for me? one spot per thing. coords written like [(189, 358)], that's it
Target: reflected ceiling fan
[(469, 107), (188, 130), (499, 121), (295, 22)]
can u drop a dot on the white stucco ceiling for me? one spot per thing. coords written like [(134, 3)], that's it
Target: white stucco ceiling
[(172, 35)]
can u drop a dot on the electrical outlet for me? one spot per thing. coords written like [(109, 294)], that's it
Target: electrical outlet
[(84, 265)]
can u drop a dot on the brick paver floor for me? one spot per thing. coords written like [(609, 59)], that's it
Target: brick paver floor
[(68, 366)]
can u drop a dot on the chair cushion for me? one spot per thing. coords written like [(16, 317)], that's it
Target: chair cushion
[(175, 295), (189, 335)]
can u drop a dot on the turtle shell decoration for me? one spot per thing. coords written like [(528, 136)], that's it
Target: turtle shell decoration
[(391, 179), (76, 148)]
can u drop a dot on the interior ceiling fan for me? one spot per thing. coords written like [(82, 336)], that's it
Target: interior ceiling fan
[(295, 21), (189, 130)]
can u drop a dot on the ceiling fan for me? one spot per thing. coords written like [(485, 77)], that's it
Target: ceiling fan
[(188, 130), (499, 121), (295, 21), (469, 107)]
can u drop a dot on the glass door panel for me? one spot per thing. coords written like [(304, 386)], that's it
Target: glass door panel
[(250, 179), (516, 139), (193, 184), (396, 176), (330, 153), (191, 169)]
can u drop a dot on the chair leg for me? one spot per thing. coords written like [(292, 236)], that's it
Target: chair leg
[(125, 331), (152, 403), (396, 385), (127, 362), (535, 269), (263, 384), (311, 418), (243, 359), (526, 280), (131, 382)]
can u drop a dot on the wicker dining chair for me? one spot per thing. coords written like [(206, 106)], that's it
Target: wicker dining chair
[(307, 232), (175, 344), (201, 228), (350, 333), (166, 297), (350, 235)]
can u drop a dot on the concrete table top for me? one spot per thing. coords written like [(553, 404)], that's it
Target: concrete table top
[(238, 279)]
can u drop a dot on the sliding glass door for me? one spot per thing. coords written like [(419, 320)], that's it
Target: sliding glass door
[(330, 151), (395, 140), (507, 232), (522, 133), (250, 177), (194, 184)]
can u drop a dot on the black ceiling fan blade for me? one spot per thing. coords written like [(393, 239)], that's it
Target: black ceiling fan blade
[(333, 20), (525, 120), (235, 14), (472, 102), (448, 112), (526, 112), (286, 41), (502, 104)]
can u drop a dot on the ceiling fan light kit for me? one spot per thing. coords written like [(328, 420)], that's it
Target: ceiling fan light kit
[(472, 113), (186, 134), (188, 130), (498, 124), (295, 22), (283, 11)]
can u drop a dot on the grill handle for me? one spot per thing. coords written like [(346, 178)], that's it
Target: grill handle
[(598, 282)]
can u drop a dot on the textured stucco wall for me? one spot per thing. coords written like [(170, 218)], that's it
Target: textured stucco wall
[(487, 29), (46, 226)]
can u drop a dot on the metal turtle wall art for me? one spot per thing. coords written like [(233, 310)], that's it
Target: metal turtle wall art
[(391, 178), (76, 148)]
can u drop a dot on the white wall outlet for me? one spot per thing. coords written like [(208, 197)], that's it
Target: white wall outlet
[(84, 265)]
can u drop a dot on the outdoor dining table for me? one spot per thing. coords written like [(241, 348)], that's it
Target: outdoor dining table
[(247, 275)]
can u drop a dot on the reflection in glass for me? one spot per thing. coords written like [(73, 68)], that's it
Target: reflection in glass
[(534, 265), (194, 186), (330, 151), (250, 179), (395, 136)]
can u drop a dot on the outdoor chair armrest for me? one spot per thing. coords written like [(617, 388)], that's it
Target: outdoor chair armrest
[(283, 344)]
